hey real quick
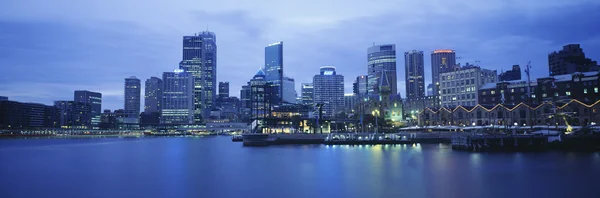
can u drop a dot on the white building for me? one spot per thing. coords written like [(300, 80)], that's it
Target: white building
[(178, 98), (329, 91), (460, 87)]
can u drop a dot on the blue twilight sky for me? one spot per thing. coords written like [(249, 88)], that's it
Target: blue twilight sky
[(48, 48)]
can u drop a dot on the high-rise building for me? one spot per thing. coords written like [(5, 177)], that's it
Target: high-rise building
[(246, 105), (514, 74), (441, 61), (381, 58), (153, 95), (223, 89), (274, 70), (260, 96), (460, 87), (415, 74), (289, 90), (178, 98), (360, 86), (307, 93), (329, 91), (132, 100), (73, 114), (569, 60), (93, 99), (200, 59)]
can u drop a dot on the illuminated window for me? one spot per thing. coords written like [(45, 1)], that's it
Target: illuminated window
[(595, 89), (568, 93), (584, 91), (493, 92), (544, 95), (556, 94), (512, 90)]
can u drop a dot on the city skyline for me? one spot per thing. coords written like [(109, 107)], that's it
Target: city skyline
[(511, 42)]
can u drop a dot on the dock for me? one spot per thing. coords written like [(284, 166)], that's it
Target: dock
[(499, 143)]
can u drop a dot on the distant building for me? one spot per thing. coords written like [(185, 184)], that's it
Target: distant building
[(73, 115), (94, 99), (230, 108), (381, 58), (569, 60), (274, 70), (307, 93), (260, 96), (153, 95), (350, 102), (460, 87), (132, 100), (430, 89), (415, 105), (200, 59), (19, 115), (360, 86), (514, 74), (441, 61), (223, 89), (245, 103), (3, 98), (178, 98), (289, 90), (329, 91), (415, 74)]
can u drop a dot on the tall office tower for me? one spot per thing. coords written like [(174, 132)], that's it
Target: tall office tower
[(329, 91), (289, 90), (514, 74), (260, 96), (360, 88), (93, 99), (223, 89), (415, 73), (246, 105), (274, 70), (569, 60), (178, 98), (381, 58), (307, 93), (132, 100), (460, 87), (441, 61), (153, 95), (200, 59)]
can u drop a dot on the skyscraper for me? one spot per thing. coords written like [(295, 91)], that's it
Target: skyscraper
[(153, 95), (93, 99), (307, 93), (132, 100), (178, 98), (200, 59), (569, 60), (274, 70), (260, 96), (246, 105), (360, 88), (223, 89), (381, 58), (289, 90), (329, 91), (415, 72), (441, 61)]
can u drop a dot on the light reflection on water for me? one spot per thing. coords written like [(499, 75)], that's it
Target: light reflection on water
[(216, 167)]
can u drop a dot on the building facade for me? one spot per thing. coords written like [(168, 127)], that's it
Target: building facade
[(460, 87), (200, 59), (289, 90), (223, 89), (260, 96), (415, 74), (19, 115), (329, 91), (93, 99), (429, 89), (132, 100), (153, 95), (274, 70), (569, 60), (441, 61), (73, 115), (381, 58), (178, 98), (307, 93), (245, 103), (360, 86), (510, 75)]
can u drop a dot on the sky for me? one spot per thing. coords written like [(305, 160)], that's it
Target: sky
[(48, 49)]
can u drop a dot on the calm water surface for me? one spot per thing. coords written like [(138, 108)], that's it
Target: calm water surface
[(216, 167)]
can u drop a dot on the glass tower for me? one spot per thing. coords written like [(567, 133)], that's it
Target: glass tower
[(132, 100), (93, 99), (415, 72), (441, 61), (381, 58), (274, 70)]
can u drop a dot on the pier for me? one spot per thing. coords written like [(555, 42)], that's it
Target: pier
[(491, 143)]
